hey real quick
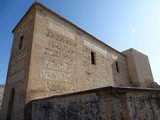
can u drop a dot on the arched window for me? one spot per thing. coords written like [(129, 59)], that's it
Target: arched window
[(10, 104)]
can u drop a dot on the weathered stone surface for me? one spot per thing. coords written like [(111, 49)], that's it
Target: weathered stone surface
[(139, 68), (100, 104), (17, 76), (1, 94), (56, 57), (61, 57)]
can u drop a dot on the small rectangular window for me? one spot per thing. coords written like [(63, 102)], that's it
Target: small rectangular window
[(117, 67), (93, 59), (20, 43)]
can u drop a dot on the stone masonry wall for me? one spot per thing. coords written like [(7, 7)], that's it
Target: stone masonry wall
[(1, 94), (58, 58), (139, 68), (61, 59), (17, 76), (100, 104)]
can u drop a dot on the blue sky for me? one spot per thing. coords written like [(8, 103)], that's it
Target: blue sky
[(122, 24)]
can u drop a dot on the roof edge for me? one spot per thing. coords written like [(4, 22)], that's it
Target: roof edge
[(107, 88), (62, 18), (25, 15)]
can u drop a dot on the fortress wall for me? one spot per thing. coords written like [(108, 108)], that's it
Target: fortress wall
[(61, 59), (17, 76), (104, 103), (56, 57)]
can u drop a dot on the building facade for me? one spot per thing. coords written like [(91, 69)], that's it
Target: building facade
[(52, 56)]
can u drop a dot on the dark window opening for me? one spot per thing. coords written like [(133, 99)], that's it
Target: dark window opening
[(117, 67), (93, 59), (20, 43)]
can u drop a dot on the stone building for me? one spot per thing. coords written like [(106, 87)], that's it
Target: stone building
[(52, 56), (1, 94)]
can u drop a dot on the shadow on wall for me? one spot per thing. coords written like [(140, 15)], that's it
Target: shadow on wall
[(120, 74), (1, 94), (109, 103)]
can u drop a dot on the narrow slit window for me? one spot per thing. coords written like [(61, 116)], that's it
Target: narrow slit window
[(20, 43), (117, 67), (93, 59)]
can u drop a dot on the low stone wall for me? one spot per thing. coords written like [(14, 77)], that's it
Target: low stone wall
[(108, 103)]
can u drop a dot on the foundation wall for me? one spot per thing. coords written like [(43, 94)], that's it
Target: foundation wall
[(99, 104)]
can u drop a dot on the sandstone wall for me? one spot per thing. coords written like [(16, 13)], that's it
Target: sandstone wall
[(61, 59), (57, 58), (100, 104), (139, 68), (17, 76), (1, 94)]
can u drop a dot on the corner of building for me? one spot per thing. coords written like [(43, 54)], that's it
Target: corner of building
[(139, 68)]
